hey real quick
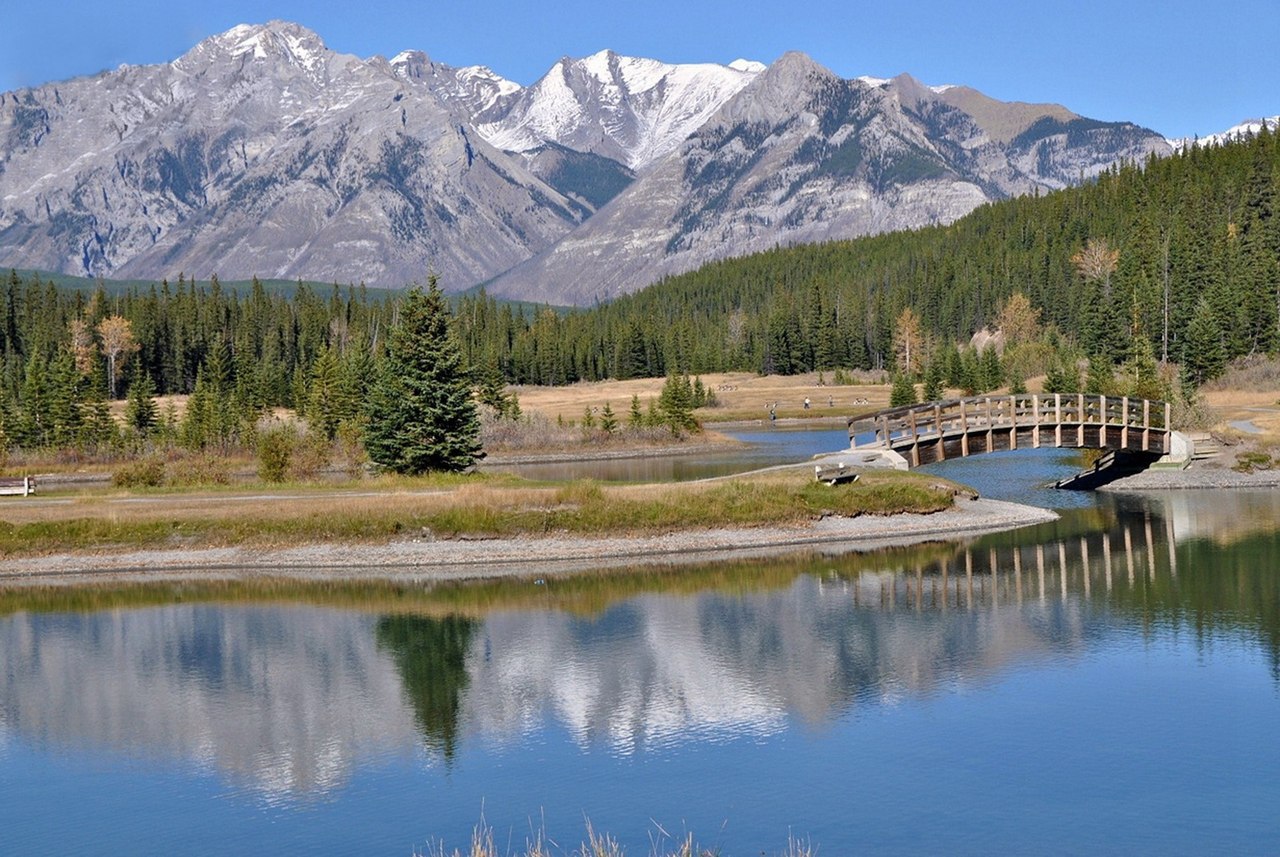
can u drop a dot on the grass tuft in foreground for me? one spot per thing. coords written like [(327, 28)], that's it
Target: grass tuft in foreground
[(597, 844)]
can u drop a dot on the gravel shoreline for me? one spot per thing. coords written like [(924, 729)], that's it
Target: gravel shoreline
[(552, 555), (1194, 477)]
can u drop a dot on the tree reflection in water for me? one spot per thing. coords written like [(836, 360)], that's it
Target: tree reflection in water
[(431, 656)]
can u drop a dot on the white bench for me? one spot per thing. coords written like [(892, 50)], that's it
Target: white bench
[(18, 487)]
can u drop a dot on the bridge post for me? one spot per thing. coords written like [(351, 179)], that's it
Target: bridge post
[(990, 425), (1080, 416), (937, 425), (964, 431), (1013, 422), (1146, 425), (1124, 420), (884, 423), (1102, 418), (1035, 415), (915, 439), (1057, 418)]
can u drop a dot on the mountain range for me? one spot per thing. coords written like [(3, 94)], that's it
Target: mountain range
[(263, 152)]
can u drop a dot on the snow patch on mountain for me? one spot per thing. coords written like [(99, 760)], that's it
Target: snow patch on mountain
[(1246, 128), (631, 109)]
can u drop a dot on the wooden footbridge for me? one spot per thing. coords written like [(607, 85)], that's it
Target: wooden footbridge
[(937, 431)]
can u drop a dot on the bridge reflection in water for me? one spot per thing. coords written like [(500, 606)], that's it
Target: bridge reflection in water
[(1015, 574)]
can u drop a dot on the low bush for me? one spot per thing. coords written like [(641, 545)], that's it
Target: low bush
[(276, 446), (206, 469), (143, 473), (1251, 460), (312, 454)]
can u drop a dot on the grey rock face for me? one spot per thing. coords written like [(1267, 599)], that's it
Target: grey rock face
[(631, 110), (802, 155), (262, 152)]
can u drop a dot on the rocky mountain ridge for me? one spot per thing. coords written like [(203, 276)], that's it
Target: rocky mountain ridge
[(801, 155), (261, 151)]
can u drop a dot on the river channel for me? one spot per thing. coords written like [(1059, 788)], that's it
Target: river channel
[(1105, 684)]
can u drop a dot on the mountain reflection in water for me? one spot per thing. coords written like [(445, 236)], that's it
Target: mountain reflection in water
[(289, 698)]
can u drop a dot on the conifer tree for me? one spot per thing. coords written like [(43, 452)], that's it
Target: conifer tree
[(421, 413), (323, 394), (1062, 378), (635, 416), (991, 373), (1203, 355), (933, 382), (608, 419), (903, 392), (140, 413), (675, 403)]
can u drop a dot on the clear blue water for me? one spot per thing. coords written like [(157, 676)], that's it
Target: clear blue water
[(769, 446), (1109, 683)]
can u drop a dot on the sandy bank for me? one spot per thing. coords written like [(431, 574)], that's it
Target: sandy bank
[(462, 559)]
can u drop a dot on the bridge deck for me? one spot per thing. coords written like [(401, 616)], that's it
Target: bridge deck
[(935, 431)]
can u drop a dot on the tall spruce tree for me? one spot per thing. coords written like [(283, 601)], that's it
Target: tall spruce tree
[(421, 413), (903, 391)]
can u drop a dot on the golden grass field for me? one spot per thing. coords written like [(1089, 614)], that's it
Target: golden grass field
[(740, 395), (446, 506)]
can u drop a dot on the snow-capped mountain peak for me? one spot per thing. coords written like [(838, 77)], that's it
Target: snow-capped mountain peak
[(1244, 129), (631, 109)]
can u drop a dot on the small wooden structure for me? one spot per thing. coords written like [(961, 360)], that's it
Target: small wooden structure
[(936, 431), (20, 487)]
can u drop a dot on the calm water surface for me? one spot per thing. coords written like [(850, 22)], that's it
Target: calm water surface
[(769, 445), (1109, 683)]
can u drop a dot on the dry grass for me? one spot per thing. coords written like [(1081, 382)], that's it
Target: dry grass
[(1249, 390), (445, 507), (741, 396), (597, 844)]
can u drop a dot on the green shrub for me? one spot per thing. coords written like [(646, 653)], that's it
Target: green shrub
[(275, 452), (143, 473), (311, 456), (1247, 462), (202, 470)]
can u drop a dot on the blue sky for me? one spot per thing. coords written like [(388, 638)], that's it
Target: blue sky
[(1178, 67)]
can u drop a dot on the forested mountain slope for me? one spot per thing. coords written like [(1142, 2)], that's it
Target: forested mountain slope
[(1195, 232)]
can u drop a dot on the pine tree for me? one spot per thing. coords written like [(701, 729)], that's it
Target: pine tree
[(675, 403), (990, 372), (933, 390), (608, 419), (903, 392), (140, 413), (421, 413), (323, 394), (1062, 378), (1203, 354), (635, 416), (1100, 379)]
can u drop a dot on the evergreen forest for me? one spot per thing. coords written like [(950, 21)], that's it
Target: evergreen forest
[(1177, 258)]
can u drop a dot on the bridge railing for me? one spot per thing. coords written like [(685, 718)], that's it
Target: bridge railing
[(935, 420)]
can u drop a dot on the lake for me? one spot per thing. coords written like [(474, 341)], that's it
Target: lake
[(1108, 683)]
